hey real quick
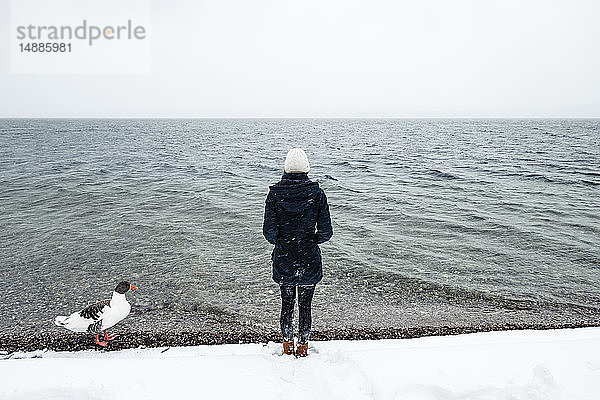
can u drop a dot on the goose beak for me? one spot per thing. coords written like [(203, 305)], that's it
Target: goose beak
[(131, 287)]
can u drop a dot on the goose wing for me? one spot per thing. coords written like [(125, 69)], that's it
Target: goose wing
[(95, 311)]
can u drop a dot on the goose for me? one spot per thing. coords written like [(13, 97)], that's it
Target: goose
[(98, 317)]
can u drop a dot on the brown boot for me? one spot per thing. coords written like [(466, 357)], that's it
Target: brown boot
[(288, 348), (302, 350)]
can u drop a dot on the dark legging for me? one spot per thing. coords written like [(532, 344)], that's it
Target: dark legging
[(288, 298)]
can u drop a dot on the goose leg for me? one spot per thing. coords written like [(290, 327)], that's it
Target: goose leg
[(99, 342), (108, 337)]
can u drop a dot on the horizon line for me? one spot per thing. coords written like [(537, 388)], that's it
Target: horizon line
[(308, 118)]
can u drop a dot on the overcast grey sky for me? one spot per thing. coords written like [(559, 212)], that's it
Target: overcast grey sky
[(347, 58)]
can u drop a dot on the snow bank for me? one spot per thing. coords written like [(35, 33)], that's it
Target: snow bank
[(556, 364)]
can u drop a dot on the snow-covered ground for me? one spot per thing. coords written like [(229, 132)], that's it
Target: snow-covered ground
[(556, 364)]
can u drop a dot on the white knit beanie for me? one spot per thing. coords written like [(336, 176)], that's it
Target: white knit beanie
[(296, 162)]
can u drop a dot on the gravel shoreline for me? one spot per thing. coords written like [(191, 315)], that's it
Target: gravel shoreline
[(60, 341)]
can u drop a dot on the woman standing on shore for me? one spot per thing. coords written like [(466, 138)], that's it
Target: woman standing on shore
[(295, 206)]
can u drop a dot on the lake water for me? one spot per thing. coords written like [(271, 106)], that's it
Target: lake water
[(436, 222)]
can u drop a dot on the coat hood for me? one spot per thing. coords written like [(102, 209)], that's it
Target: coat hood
[(295, 192)]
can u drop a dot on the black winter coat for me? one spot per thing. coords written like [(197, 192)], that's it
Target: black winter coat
[(294, 207)]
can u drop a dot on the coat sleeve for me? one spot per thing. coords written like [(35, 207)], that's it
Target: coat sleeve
[(324, 228), (270, 223)]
